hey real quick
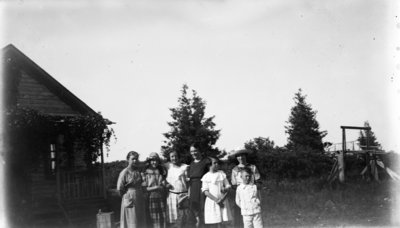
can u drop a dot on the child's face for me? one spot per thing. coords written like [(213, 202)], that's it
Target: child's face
[(173, 157), (153, 163), (245, 177), (214, 165)]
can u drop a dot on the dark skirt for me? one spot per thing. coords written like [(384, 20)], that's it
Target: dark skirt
[(196, 199)]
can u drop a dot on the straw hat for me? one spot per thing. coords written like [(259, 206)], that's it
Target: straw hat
[(153, 156), (239, 152)]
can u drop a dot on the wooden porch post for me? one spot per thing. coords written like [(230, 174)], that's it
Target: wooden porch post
[(102, 172), (341, 157)]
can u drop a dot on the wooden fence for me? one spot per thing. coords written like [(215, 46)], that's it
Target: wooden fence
[(80, 184)]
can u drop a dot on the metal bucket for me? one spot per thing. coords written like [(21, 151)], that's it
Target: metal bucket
[(105, 220)]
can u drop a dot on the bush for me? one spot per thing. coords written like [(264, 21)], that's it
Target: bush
[(111, 172), (286, 164), (282, 164)]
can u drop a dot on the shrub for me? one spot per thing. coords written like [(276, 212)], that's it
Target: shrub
[(281, 164), (111, 172)]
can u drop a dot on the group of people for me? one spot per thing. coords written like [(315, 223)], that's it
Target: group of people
[(180, 195)]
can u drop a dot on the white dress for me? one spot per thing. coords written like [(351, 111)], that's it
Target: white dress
[(214, 183), (177, 178)]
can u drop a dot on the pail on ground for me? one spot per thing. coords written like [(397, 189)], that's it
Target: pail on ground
[(105, 220)]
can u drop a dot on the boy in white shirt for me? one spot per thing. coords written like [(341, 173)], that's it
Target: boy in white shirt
[(248, 199)]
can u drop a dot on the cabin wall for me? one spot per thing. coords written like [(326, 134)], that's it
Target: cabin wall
[(79, 156), (44, 187)]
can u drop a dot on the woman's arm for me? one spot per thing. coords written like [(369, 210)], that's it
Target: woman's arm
[(168, 185), (209, 195), (256, 173), (222, 199), (225, 189), (233, 178), (205, 188), (237, 198), (121, 184), (153, 188), (226, 185), (159, 183), (144, 179)]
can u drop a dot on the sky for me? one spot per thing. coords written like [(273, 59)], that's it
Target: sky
[(246, 59)]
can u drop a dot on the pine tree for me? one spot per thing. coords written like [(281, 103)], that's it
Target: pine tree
[(190, 127), (368, 138), (303, 128)]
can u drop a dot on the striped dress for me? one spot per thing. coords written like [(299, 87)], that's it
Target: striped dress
[(155, 201)]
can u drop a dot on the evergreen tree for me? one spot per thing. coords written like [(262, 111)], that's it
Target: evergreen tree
[(303, 128), (190, 127), (368, 138)]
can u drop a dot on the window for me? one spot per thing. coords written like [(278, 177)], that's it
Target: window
[(52, 167)]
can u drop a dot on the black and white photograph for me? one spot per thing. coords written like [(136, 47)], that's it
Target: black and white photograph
[(199, 113)]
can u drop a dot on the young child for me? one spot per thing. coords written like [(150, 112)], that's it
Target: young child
[(154, 183), (248, 199), (215, 186)]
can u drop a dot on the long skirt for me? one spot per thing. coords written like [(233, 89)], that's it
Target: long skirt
[(157, 210), (172, 203), (196, 197), (132, 215)]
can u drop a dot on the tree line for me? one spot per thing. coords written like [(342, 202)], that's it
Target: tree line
[(302, 156)]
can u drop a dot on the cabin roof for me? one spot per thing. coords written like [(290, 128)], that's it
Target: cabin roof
[(27, 85)]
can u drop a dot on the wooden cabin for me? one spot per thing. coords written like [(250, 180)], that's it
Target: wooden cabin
[(52, 178)]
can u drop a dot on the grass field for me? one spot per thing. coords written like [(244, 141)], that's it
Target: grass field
[(307, 203)]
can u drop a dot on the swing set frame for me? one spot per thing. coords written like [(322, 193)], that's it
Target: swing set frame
[(370, 152)]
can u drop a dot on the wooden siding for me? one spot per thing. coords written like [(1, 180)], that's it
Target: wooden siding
[(79, 156), (35, 95)]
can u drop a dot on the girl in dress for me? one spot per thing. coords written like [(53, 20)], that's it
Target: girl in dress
[(154, 183), (177, 185), (215, 187), (130, 188)]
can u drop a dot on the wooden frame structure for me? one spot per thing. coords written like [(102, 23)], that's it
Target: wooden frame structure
[(371, 159), (341, 164)]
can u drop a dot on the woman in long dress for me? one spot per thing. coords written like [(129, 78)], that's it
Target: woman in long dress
[(130, 188), (177, 185), (197, 169)]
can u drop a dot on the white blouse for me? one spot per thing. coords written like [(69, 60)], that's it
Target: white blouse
[(177, 177)]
